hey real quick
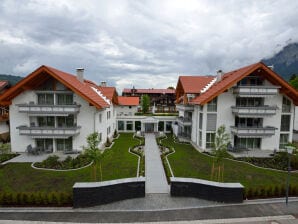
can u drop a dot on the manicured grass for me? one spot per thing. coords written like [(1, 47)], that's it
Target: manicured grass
[(188, 162), (117, 163)]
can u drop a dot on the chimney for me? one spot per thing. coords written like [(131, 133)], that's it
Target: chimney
[(219, 75), (271, 67), (103, 83), (80, 74)]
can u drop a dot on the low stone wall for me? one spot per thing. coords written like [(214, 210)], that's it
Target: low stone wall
[(208, 190), (98, 193)]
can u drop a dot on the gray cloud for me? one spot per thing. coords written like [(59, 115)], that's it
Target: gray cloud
[(142, 43)]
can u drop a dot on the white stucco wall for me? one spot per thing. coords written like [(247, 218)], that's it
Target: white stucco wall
[(126, 111), (296, 119), (19, 143)]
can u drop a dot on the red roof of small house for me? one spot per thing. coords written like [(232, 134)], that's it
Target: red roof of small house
[(231, 78), (86, 89), (150, 91), (194, 84), (128, 100)]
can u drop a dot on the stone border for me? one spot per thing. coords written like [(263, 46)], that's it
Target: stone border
[(97, 193), (208, 190), (48, 169), (139, 160)]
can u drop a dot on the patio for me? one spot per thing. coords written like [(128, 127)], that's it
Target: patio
[(24, 157)]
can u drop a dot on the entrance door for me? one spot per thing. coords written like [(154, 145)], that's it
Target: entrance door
[(149, 127)]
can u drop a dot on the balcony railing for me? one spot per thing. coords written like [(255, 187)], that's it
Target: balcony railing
[(256, 91), (252, 132), (49, 132), (260, 111), (36, 109), (184, 107), (185, 121)]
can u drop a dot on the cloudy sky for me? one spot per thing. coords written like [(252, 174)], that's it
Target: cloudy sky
[(147, 44)]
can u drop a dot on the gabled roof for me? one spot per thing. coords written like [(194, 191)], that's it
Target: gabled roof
[(3, 84), (231, 78), (86, 89), (150, 91), (128, 100), (194, 84)]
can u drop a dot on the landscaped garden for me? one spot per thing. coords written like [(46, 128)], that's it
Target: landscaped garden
[(258, 182), (5, 152), (21, 184)]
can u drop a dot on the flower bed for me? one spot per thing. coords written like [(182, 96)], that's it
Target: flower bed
[(53, 162), (5, 157)]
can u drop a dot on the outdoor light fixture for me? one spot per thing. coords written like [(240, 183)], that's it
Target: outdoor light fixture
[(289, 150)]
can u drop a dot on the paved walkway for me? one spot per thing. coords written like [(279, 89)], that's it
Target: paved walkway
[(156, 181)]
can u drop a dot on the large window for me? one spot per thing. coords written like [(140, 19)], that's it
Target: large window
[(120, 125), (210, 137), (286, 105), (64, 144), (248, 143), (45, 98), (161, 125), (248, 122), (283, 140), (138, 125), (249, 101), (64, 99), (44, 144), (212, 105), (285, 122), (46, 121), (66, 121), (129, 125), (251, 80)]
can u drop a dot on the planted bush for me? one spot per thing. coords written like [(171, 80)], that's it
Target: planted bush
[(53, 162)]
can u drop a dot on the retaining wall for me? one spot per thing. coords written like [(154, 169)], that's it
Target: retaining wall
[(208, 190), (98, 193)]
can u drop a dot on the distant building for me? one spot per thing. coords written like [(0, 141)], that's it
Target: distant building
[(254, 103), (161, 100)]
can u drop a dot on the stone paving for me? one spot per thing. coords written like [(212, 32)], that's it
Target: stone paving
[(156, 181)]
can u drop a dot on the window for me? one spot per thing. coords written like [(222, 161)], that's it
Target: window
[(129, 125), (251, 80), (138, 125), (64, 144), (161, 125), (212, 105), (247, 143), (286, 105), (168, 125), (99, 118), (108, 115), (120, 125), (46, 121), (210, 137), (201, 121), (66, 121), (100, 136), (45, 98), (108, 130), (44, 144), (211, 122), (248, 122), (200, 138), (64, 99), (285, 122), (283, 140), (249, 101)]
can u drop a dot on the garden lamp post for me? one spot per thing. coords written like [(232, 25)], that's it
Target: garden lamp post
[(289, 150)]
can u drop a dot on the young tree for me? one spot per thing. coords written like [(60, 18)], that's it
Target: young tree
[(145, 103), (92, 151), (219, 150)]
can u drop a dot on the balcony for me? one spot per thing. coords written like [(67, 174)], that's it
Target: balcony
[(260, 111), (49, 132), (184, 121), (184, 107), (48, 110), (253, 132), (256, 91)]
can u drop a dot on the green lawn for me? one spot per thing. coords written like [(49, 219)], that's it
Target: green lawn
[(188, 162), (117, 163)]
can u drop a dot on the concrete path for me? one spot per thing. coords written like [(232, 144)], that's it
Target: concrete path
[(156, 181)]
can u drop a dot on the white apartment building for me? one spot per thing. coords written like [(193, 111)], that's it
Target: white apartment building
[(254, 103)]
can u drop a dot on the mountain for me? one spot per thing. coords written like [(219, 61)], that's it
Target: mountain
[(12, 79), (285, 62)]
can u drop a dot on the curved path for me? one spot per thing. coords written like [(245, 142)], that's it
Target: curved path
[(156, 181)]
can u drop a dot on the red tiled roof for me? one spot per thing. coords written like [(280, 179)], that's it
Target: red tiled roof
[(3, 84), (83, 89), (128, 100), (194, 84), (231, 78), (151, 91), (107, 91)]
